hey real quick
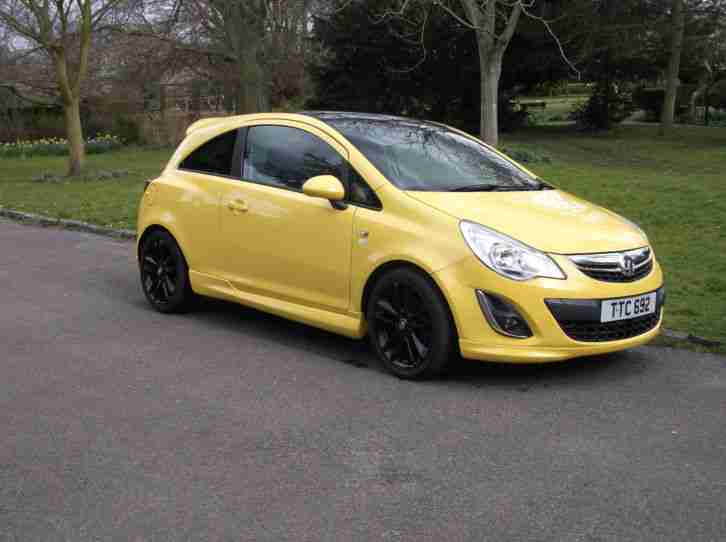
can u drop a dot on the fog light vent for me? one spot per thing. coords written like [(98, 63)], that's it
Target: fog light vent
[(502, 316)]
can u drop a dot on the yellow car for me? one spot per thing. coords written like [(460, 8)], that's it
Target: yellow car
[(414, 233)]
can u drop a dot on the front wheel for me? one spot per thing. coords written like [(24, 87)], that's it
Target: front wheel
[(164, 273), (409, 325)]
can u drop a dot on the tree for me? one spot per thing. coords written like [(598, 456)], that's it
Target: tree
[(703, 54), (491, 43), (386, 66), (62, 29), (248, 43), (235, 30), (494, 23), (617, 44), (674, 62), (395, 64)]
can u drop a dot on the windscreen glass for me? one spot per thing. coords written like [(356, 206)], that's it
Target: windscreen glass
[(428, 157)]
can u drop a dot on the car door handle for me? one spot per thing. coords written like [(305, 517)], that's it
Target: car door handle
[(237, 206)]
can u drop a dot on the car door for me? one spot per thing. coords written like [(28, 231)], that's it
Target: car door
[(274, 239)]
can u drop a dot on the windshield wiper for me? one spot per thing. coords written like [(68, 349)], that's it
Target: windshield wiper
[(486, 188), (500, 188)]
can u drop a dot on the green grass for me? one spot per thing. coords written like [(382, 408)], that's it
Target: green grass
[(110, 202), (558, 107), (675, 187)]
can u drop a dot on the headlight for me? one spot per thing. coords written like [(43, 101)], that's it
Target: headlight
[(506, 256)]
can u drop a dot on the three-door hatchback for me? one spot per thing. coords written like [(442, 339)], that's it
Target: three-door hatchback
[(414, 233)]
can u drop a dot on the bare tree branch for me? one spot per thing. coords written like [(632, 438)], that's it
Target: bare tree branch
[(561, 49)]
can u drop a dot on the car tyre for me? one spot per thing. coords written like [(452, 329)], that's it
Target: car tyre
[(164, 273), (410, 326)]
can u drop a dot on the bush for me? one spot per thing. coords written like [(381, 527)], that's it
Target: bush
[(579, 88), (511, 115), (650, 100), (126, 128), (31, 123), (57, 147), (103, 143), (717, 118), (550, 88), (717, 94), (601, 111)]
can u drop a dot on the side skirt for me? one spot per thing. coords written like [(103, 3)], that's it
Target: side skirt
[(342, 324)]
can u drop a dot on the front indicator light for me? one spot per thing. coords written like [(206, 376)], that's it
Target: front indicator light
[(507, 256), (502, 316)]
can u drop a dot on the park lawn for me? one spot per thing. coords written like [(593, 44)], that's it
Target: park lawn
[(106, 201), (674, 187), (557, 109)]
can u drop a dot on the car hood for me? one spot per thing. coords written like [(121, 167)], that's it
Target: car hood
[(549, 220)]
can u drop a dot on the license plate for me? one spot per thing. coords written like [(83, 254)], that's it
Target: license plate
[(626, 308)]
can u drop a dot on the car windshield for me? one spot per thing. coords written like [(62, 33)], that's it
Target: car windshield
[(429, 157)]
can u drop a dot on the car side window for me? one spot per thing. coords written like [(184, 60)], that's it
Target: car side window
[(360, 193), (215, 156), (287, 157)]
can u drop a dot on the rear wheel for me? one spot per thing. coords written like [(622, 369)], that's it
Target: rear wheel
[(164, 273), (410, 326)]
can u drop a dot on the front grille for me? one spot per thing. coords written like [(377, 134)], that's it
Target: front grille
[(610, 331), (627, 266), (618, 276)]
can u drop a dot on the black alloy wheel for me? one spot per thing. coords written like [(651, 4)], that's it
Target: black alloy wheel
[(410, 325), (164, 273)]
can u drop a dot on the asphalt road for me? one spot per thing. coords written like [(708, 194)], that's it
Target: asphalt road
[(119, 423)]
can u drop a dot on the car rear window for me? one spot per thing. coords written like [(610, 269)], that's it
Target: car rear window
[(214, 156)]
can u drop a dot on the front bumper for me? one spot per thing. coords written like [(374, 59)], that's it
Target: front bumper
[(549, 342)]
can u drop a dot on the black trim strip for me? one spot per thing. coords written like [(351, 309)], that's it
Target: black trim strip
[(588, 310), (240, 149)]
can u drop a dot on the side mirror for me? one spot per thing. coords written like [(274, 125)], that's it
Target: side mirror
[(327, 187)]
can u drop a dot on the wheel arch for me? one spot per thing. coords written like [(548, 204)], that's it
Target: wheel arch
[(386, 267), (151, 228)]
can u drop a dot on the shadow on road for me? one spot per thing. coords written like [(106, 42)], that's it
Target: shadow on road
[(588, 370), (291, 334), (523, 377)]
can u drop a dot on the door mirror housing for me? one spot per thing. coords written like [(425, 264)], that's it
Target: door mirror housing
[(327, 187)]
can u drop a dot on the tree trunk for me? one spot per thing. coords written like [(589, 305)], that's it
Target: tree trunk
[(611, 13), (254, 94), (701, 90), (607, 82), (490, 68), (692, 106), (70, 95), (674, 63), (76, 149), (695, 95), (491, 47)]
